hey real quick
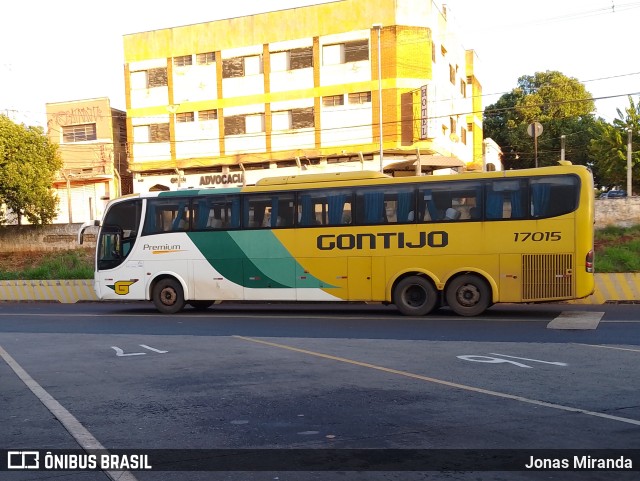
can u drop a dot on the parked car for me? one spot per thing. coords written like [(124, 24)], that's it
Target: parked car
[(614, 194)]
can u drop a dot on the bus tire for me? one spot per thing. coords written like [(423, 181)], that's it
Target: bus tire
[(468, 295), (415, 296), (201, 305), (168, 296)]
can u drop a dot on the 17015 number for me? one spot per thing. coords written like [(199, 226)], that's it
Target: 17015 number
[(537, 236)]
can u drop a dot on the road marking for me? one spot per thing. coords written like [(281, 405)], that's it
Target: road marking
[(576, 320), (81, 434), (443, 382), (153, 349), (120, 352), (499, 360), (490, 360), (610, 347), (555, 363)]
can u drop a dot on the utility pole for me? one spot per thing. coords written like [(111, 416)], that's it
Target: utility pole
[(378, 27), (629, 143)]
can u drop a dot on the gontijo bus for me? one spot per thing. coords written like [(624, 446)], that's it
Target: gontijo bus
[(465, 241)]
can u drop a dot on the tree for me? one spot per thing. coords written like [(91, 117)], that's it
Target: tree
[(609, 149), (28, 163), (560, 103)]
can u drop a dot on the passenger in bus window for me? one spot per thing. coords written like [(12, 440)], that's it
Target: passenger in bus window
[(451, 214)]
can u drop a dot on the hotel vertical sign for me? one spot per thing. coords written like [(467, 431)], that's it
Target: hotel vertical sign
[(424, 123)]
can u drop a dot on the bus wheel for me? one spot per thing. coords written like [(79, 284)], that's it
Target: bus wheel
[(200, 305), (415, 296), (168, 296), (468, 295)]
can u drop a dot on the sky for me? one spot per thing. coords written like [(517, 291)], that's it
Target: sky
[(72, 49)]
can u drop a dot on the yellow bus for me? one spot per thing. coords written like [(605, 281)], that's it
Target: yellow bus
[(462, 241)]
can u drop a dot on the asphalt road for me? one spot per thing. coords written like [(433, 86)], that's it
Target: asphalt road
[(327, 378)]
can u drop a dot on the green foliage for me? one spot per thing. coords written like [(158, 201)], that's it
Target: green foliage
[(71, 264), (560, 103), (28, 164), (617, 249), (608, 148)]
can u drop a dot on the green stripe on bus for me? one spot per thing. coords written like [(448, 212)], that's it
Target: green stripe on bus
[(255, 259)]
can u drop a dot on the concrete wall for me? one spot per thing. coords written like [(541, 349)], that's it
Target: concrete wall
[(27, 238), (621, 212)]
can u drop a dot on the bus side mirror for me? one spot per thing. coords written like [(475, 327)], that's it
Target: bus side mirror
[(93, 223)]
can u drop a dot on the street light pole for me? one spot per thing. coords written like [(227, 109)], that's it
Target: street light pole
[(378, 28), (629, 145)]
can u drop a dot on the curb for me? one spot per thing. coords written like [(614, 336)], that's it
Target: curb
[(609, 287), (614, 287), (64, 291)]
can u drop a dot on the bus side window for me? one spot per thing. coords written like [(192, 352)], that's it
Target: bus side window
[(370, 206), (428, 212), (166, 215), (554, 195), (394, 204), (339, 208), (269, 210), (181, 219), (219, 212), (333, 207), (505, 199)]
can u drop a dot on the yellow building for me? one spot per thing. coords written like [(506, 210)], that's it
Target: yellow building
[(92, 141), (227, 102)]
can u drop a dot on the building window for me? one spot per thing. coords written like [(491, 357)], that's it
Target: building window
[(183, 61), (241, 66), (205, 115), (79, 133), (356, 51), (463, 136), (345, 52), (293, 59), (159, 133), (281, 120), (206, 58), (244, 124), (156, 77), (463, 88), (452, 74), (453, 125), (254, 123), (300, 58), (146, 79), (185, 117), (360, 98), (333, 100), (302, 118)]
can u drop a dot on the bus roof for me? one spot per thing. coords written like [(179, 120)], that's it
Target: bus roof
[(311, 181), (314, 178)]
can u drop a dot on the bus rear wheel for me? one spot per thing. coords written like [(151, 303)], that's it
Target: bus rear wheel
[(468, 295), (168, 296), (415, 296)]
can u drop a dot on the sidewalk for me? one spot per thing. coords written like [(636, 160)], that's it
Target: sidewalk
[(609, 287)]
